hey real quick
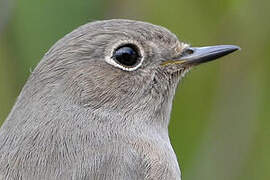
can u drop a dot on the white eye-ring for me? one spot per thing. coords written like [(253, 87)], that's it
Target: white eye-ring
[(126, 55)]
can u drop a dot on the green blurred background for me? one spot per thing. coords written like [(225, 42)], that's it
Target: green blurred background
[(220, 126)]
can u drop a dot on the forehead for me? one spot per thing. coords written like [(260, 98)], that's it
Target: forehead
[(133, 29)]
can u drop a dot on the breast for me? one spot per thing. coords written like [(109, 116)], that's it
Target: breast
[(156, 159)]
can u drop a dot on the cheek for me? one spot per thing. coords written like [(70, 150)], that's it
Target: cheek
[(96, 86)]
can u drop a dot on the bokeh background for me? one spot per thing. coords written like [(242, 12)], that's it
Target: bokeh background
[(220, 126)]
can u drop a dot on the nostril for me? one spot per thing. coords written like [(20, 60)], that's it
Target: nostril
[(187, 52)]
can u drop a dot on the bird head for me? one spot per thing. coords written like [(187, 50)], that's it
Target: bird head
[(121, 66)]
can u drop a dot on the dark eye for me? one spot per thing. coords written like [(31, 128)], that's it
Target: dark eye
[(127, 55)]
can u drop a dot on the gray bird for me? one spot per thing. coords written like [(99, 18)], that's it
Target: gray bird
[(98, 106)]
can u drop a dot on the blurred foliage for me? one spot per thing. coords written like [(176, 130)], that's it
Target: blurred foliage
[(220, 126)]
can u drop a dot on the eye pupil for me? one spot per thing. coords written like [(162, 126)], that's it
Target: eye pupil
[(126, 55)]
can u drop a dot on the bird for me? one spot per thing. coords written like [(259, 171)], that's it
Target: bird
[(98, 105)]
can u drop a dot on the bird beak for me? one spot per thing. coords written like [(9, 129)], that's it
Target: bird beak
[(198, 55)]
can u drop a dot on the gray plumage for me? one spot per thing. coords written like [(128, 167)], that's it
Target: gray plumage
[(80, 117)]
